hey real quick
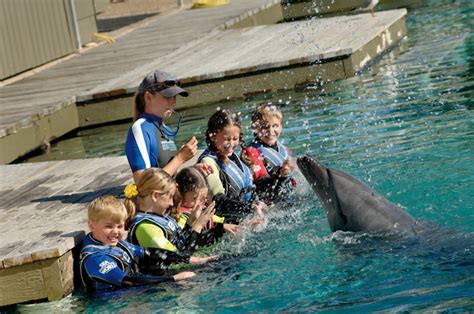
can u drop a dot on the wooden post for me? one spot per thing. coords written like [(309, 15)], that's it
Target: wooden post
[(46, 279)]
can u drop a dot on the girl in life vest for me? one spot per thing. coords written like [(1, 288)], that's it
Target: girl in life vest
[(192, 192), (106, 261), (268, 158), (150, 225), (230, 183)]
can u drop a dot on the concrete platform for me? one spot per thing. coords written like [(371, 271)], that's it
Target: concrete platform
[(42, 106), (43, 215), (215, 65)]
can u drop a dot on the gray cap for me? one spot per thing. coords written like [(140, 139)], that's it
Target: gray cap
[(163, 83)]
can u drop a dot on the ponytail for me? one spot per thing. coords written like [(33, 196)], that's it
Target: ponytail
[(174, 211), (139, 107), (131, 209)]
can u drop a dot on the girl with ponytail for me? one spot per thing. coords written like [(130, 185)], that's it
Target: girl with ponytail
[(230, 183), (150, 225)]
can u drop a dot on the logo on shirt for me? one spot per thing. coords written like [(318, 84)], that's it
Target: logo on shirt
[(168, 145), (106, 266)]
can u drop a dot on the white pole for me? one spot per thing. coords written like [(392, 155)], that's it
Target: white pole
[(75, 25), (180, 3)]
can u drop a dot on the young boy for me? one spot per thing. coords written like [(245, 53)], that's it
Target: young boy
[(268, 158), (106, 261)]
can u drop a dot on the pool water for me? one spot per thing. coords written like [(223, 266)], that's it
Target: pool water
[(404, 127)]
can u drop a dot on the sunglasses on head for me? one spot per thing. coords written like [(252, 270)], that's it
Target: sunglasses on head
[(159, 86)]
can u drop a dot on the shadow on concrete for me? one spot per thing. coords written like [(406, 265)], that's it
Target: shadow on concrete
[(114, 23), (83, 197)]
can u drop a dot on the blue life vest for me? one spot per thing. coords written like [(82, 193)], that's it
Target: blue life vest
[(124, 256), (238, 177), (167, 223), (273, 158)]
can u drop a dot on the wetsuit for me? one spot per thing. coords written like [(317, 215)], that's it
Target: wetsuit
[(153, 231), (150, 143), (266, 162), (230, 185), (215, 228), (105, 267)]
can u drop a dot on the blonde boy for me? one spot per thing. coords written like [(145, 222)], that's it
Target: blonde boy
[(106, 261)]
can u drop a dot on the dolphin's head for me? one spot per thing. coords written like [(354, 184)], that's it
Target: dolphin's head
[(319, 177), (351, 205), (315, 173)]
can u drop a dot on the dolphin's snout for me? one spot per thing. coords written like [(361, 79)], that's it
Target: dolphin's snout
[(307, 162)]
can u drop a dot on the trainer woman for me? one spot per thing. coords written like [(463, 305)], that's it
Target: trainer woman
[(150, 142)]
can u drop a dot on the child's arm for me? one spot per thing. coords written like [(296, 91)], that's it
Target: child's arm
[(152, 238), (104, 269), (233, 210), (213, 180)]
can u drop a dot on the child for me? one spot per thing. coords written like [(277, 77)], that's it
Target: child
[(152, 227), (267, 156), (230, 182), (106, 261), (192, 188)]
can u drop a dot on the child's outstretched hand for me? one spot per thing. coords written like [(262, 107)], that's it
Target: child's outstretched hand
[(231, 228), (184, 275), (258, 208), (202, 260)]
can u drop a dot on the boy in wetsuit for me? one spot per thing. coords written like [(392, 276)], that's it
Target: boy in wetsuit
[(269, 160), (106, 261)]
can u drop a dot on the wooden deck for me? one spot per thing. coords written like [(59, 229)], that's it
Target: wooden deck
[(215, 64), (43, 216), (42, 106)]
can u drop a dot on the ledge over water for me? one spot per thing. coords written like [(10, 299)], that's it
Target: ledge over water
[(216, 66)]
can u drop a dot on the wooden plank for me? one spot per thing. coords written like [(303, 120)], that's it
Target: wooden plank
[(46, 216), (58, 275)]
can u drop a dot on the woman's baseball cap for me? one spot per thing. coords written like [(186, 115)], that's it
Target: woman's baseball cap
[(163, 83)]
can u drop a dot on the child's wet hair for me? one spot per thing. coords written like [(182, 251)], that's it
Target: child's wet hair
[(190, 179), (263, 111), (107, 207)]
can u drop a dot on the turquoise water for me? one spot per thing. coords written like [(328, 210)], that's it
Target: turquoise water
[(405, 127)]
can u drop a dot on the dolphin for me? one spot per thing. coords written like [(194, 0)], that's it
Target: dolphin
[(350, 205)]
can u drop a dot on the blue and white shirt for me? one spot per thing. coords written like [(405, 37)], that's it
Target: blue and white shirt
[(150, 143)]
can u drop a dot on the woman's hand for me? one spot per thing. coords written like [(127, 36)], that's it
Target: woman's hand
[(188, 150), (205, 169)]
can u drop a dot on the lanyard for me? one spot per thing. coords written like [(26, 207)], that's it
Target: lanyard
[(168, 133)]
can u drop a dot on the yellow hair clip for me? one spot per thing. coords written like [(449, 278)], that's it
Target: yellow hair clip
[(130, 191)]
